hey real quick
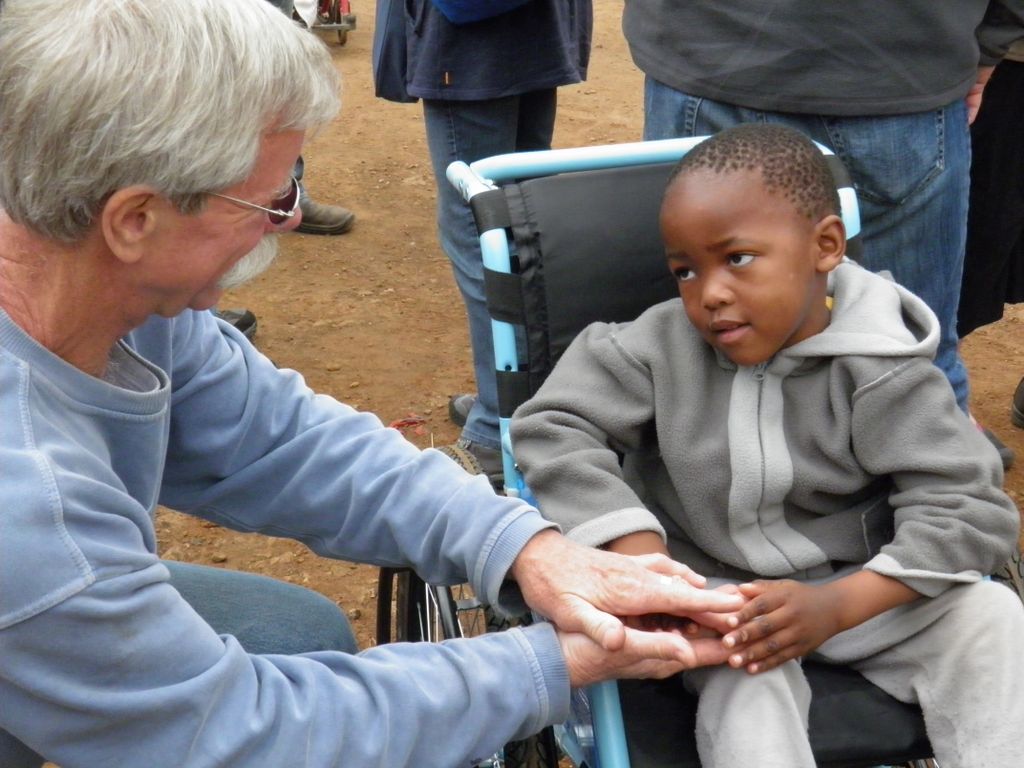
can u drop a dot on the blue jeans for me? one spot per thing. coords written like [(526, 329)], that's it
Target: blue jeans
[(468, 131), (912, 176), (264, 614)]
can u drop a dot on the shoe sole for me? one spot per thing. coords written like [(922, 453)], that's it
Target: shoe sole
[(1011, 575), (1017, 417), (322, 229), (469, 462)]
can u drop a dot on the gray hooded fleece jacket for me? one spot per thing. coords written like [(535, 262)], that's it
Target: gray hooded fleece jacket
[(846, 448)]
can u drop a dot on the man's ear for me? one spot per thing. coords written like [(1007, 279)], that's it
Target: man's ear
[(129, 219), (830, 237)]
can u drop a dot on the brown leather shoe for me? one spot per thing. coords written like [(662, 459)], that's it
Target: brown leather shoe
[(320, 219), (459, 407), (1017, 409), (243, 319)]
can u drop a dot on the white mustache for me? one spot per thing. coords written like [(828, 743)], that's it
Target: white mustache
[(252, 264)]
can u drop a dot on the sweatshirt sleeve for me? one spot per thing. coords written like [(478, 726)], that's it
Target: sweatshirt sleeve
[(596, 403), (953, 522), (253, 449), (103, 663), (125, 674)]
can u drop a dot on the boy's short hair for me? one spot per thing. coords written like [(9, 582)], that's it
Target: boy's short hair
[(790, 163)]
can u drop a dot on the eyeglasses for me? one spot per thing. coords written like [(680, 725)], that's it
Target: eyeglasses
[(282, 209)]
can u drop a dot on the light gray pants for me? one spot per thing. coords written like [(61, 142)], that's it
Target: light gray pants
[(960, 656)]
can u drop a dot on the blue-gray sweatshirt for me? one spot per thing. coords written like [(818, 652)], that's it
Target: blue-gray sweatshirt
[(103, 664)]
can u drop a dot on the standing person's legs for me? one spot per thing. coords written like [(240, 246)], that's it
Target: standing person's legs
[(911, 173), (468, 131), (265, 615), (994, 262), (959, 656), (317, 218)]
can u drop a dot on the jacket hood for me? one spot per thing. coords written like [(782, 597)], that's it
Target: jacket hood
[(871, 315)]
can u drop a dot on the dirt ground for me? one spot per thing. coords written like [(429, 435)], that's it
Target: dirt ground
[(373, 317)]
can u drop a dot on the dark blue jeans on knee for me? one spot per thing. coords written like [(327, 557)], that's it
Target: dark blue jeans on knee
[(264, 614)]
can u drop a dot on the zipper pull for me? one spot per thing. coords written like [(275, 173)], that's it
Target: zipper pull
[(759, 370)]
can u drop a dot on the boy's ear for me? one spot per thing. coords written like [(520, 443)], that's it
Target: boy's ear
[(128, 219), (830, 237)]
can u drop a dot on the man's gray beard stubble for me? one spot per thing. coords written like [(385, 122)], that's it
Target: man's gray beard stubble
[(252, 264)]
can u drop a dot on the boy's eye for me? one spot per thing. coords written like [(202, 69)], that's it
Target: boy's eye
[(740, 259), (683, 274)]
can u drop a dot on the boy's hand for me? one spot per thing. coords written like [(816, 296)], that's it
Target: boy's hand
[(785, 619), (782, 620)]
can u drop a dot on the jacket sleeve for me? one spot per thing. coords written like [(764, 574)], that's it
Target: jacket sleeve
[(253, 449), (596, 403), (953, 523), (108, 665), (1002, 25), (125, 674)]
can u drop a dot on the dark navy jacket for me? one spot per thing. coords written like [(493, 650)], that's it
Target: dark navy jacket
[(542, 44)]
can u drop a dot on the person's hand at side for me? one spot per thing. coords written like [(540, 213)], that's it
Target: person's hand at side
[(786, 619), (581, 589), (974, 95)]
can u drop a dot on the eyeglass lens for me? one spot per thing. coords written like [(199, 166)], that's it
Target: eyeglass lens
[(288, 203)]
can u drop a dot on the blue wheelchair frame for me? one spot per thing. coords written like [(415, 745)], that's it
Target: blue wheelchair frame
[(602, 744)]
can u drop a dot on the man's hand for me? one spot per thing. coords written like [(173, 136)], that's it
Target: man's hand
[(581, 589), (644, 654)]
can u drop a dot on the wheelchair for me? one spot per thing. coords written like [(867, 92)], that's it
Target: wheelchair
[(569, 237)]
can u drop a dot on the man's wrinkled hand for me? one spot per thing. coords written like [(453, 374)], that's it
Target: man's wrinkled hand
[(581, 589), (642, 655)]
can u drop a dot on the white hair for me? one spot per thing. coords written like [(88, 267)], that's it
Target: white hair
[(254, 263), (98, 95)]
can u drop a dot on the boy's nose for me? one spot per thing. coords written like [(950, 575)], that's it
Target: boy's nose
[(715, 292)]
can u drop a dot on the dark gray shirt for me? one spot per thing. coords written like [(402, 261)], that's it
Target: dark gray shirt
[(855, 57)]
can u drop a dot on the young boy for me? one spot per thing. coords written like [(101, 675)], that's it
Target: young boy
[(794, 438)]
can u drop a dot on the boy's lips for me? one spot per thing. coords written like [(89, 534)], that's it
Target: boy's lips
[(724, 325), (727, 331)]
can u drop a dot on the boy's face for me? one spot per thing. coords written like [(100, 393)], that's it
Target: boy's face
[(751, 268)]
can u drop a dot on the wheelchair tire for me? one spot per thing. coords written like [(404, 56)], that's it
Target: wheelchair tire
[(537, 751), (409, 610)]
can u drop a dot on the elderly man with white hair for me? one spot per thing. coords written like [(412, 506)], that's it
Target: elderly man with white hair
[(146, 153)]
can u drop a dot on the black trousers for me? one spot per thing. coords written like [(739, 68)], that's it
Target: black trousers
[(994, 261)]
